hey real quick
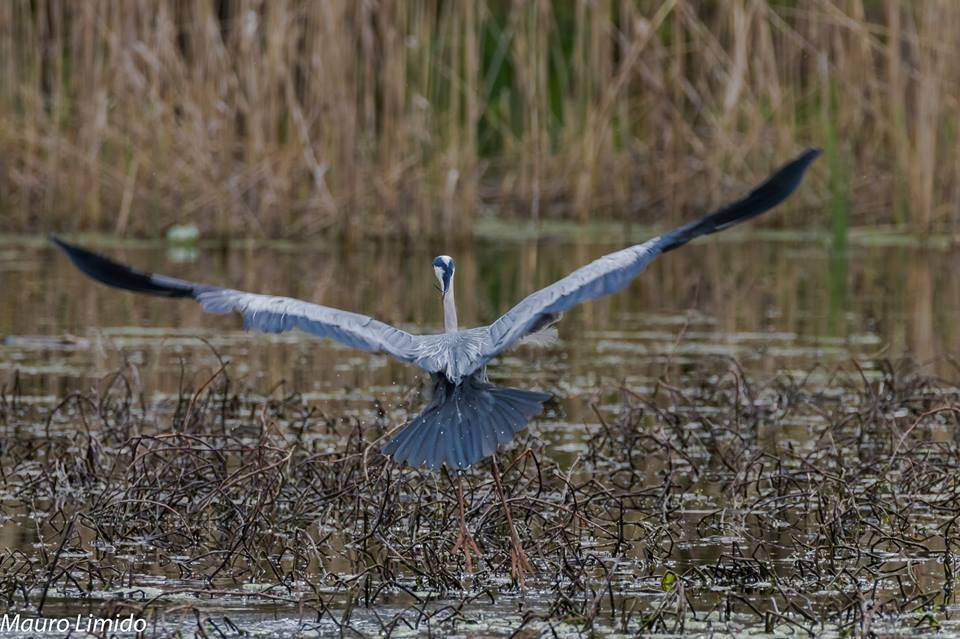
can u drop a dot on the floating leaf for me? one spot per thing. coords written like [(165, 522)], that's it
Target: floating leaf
[(668, 582)]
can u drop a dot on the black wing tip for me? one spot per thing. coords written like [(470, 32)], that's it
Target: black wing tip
[(106, 271), (59, 242), (771, 192), (805, 159), (73, 251), (788, 176), (84, 259), (784, 182)]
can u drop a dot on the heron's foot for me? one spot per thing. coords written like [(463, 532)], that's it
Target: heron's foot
[(467, 546), (520, 566)]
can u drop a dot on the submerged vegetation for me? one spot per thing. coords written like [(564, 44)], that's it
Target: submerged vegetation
[(355, 118), (819, 505)]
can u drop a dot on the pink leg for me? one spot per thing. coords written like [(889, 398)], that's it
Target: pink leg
[(519, 565)]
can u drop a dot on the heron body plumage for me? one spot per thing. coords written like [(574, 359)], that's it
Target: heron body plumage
[(467, 417)]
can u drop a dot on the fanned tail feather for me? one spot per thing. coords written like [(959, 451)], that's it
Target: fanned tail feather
[(464, 423)]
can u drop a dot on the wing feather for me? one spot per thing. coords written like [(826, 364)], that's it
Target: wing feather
[(264, 313), (613, 272), (460, 353)]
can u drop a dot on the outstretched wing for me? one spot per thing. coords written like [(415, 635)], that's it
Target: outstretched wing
[(260, 312), (613, 272)]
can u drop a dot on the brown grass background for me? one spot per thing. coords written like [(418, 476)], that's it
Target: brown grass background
[(291, 118)]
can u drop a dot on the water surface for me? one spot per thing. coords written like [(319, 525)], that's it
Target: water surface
[(773, 306)]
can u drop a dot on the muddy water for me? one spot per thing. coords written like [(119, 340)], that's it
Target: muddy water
[(773, 305)]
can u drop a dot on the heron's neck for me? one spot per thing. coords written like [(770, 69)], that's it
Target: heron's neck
[(449, 311)]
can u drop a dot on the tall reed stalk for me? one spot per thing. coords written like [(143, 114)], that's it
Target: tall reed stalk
[(294, 117)]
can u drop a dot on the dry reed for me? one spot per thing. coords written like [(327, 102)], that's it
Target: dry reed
[(292, 118)]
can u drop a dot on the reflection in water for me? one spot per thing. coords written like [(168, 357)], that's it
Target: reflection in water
[(838, 276), (921, 340), (774, 305)]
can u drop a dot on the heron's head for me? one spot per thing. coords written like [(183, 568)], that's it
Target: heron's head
[(443, 267)]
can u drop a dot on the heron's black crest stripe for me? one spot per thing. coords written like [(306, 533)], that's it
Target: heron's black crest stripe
[(447, 266)]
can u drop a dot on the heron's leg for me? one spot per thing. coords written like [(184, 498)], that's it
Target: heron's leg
[(519, 565), (464, 541)]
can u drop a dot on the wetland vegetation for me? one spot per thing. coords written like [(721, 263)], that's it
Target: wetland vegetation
[(817, 505), (286, 119), (730, 450), (760, 436)]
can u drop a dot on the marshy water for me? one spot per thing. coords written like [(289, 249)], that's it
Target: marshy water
[(737, 443), (772, 301)]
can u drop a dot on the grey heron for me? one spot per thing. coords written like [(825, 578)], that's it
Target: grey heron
[(467, 417)]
